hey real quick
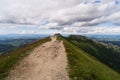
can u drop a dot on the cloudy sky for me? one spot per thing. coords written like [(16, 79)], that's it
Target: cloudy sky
[(64, 16)]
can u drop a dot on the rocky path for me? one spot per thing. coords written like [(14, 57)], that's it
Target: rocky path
[(46, 62)]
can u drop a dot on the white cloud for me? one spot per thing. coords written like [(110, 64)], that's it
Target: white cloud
[(92, 30), (63, 15), (86, 14)]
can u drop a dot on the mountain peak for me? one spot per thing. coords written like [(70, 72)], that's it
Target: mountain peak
[(57, 34)]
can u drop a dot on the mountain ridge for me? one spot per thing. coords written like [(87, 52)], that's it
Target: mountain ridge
[(42, 63), (83, 64)]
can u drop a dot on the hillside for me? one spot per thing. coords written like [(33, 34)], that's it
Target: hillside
[(8, 61), (83, 65), (75, 57), (7, 45), (105, 53)]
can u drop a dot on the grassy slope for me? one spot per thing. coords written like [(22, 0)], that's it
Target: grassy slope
[(9, 60), (83, 66), (108, 56)]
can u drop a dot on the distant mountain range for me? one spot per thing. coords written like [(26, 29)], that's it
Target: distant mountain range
[(104, 37), (9, 42), (108, 39), (24, 36), (12, 44)]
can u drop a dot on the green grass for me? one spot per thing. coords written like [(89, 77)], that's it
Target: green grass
[(83, 66), (108, 56), (9, 60)]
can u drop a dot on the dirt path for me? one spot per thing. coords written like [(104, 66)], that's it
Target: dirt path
[(46, 62)]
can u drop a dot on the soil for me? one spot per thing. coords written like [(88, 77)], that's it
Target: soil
[(46, 62)]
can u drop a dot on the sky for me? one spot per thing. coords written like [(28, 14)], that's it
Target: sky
[(60, 16)]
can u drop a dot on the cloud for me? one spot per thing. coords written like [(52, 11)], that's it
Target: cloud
[(92, 30), (63, 15), (86, 14)]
